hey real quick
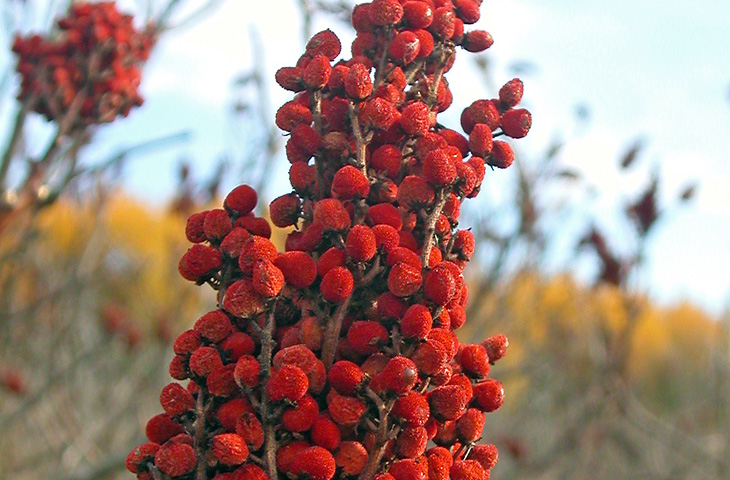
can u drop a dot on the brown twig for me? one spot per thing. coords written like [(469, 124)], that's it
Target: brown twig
[(429, 225), (360, 142), (334, 324), (382, 436), (332, 333), (200, 437), (445, 51), (14, 140), (265, 356)]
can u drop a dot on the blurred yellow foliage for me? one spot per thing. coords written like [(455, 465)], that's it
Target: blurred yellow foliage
[(578, 327), (137, 249)]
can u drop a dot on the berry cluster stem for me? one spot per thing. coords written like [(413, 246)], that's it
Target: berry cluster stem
[(332, 334), (201, 444), (382, 435), (429, 225), (270, 445), (360, 141)]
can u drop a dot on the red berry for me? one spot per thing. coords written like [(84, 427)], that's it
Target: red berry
[(488, 395), (256, 249), (439, 463), (467, 11), (399, 375), (385, 214), (511, 93), (443, 23), (349, 182), (418, 14), (292, 114), (284, 211), (416, 321), (467, 470), (175, 459), (351, 457), (290, 78), (486, 455), (247, 371), (407, 469), (345, 411), (447, 402), (438, 168), (502, 155), (325, 43), (358, 84), (140, 455), (386, 238), (378, 114), (496, 347), (267, 279), (301, 417), (194, 227), (404, 280), (477, 41), (229, 449), (337, 285), (415, 193), (405, 47), (331, 214), (385, 12), (317, 72), (516, 123), (288, 382), (217, 225), (241, 300), (314, 463), (333, 257), (415, 119), (213, 326), (364, 337), (360, 243), (413, 409), (480, 140), (411, 442), (325, 433), (298, 268), (232, 245), (455, 139), (469, 427), (480, 111), (286, 453), (425, 48), (249, 427), (345, 377), (161, 428), (176, 400), (199, 262)]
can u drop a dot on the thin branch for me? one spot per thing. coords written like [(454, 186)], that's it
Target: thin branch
[(198, 15), (360, 141), (429, 226), (265, 356), (14, 140), (200, 437), (332, 334)]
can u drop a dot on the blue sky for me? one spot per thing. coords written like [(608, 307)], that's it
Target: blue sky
[(649, 68)]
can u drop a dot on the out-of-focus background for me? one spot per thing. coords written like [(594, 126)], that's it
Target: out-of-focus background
[(603, 253)]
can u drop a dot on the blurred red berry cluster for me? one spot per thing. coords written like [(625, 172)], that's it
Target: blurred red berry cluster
[(89, 72), (338, 357)]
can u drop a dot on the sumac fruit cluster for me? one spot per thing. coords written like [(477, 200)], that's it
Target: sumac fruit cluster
[(90, 71), (338, 356)]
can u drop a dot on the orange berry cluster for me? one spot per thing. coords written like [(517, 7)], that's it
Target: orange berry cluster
[(338, 357), (89, 71)]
